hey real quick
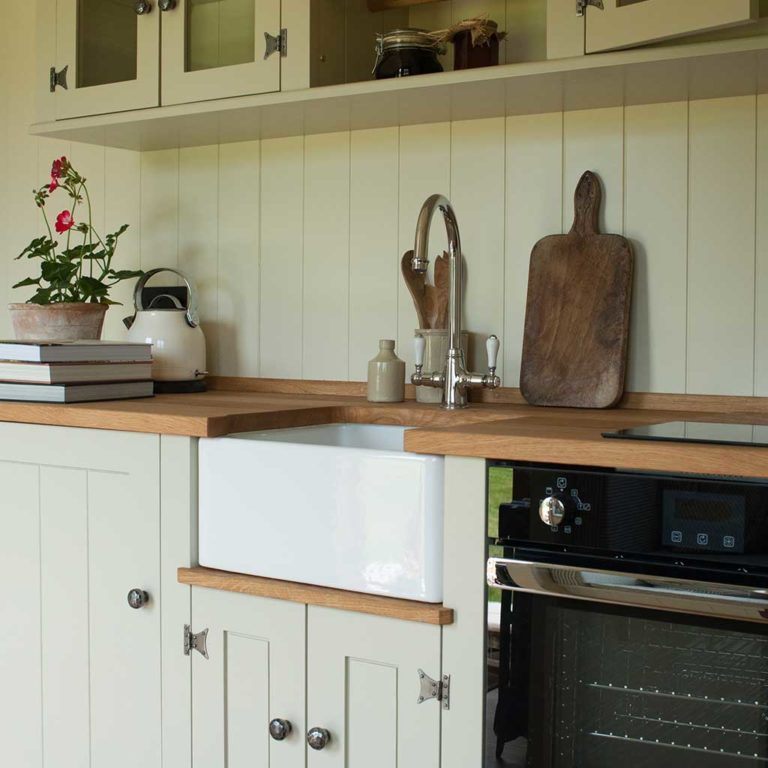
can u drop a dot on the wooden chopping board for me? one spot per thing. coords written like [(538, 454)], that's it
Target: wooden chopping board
[(577, 313)]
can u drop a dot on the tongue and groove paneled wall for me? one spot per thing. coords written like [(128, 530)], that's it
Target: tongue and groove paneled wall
[(295, 243)]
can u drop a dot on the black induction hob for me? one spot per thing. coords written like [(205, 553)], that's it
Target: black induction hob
[(698, 432)]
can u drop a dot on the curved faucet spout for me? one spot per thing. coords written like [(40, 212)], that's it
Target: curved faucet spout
[(420, 260)]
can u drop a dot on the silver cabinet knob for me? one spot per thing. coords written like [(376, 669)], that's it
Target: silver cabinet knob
[(142, 7), (318, 738), (167, 5), (279, 729), (138, 598), (551, 511)]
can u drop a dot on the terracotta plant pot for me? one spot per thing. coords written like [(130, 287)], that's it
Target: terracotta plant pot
[(57, 322)]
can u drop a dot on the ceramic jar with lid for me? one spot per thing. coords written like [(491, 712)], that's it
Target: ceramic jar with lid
[(405, 52), (386, 375)]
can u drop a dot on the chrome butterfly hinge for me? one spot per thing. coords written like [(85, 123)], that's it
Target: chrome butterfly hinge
[(581, 6), (195, 642), (434, 689), (276, 44)]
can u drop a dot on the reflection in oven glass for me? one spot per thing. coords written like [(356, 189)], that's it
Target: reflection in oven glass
[(578, 686)]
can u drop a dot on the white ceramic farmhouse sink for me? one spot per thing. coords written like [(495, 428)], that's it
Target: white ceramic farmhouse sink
[(341, 505)]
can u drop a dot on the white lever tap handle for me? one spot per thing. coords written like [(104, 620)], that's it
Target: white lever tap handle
[(492, 347), (419, 347)]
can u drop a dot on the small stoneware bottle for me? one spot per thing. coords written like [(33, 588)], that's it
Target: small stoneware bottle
[(386, 375)]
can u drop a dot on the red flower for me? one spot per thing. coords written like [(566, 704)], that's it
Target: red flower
[(58, 167), (54, 185), (64, 222)]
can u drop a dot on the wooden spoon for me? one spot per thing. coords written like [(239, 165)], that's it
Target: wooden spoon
[(416, 286)]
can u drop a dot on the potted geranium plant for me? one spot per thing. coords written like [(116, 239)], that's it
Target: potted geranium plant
[(72, 287)]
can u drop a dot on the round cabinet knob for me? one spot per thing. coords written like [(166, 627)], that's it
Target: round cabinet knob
[(551, 511), (167, 5), (279, 729), (318, 738), (138, 598), (142, 7)]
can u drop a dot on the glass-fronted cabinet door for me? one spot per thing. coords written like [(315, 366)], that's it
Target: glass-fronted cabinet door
[(218, 48), (623, 23), (107, 56)]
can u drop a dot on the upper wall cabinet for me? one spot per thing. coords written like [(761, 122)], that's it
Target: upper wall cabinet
[(107, 56), (591, 26), (117, 55)]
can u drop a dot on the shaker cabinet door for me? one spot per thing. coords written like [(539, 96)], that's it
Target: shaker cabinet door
[(255, 673), (80, 515), (625, 23), (363, 689), (212, 50), (107, 56)]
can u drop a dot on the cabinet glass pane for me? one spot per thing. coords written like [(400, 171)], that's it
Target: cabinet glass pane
[(106, 42), (219, 33)]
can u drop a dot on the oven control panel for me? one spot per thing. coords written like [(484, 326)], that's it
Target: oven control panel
[(634, 513)]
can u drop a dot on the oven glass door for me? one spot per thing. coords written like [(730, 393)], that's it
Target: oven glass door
[(580, 684)]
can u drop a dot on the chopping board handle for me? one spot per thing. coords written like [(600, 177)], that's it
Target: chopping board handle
[(586, 205)]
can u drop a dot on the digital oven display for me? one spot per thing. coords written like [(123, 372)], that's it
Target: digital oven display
[(704, 522)]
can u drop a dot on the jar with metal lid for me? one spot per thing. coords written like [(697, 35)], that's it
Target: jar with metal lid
[(405, 52)]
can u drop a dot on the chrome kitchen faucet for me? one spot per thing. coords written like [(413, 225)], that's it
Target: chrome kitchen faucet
[(454, 379)]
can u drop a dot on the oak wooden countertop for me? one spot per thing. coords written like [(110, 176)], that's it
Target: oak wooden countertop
[(503, 428)]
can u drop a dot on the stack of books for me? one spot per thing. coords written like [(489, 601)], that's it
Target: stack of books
[(74, 371)]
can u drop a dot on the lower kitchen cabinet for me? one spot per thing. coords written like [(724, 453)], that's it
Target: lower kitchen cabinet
[(254, 673), (354, 678), (80, 668)]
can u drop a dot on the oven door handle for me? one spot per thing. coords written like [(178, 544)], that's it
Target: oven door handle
[(702, 598)]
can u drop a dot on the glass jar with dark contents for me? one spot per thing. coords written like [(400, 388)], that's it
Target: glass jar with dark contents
[(405, 52)]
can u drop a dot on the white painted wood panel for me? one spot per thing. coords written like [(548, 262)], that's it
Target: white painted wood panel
[(159, 198), (326, 257), (656, 222), (464, 589), (282, 249), (21, 736), (256, 672), (342, 649), (178, 548), (478, 187), (721, 246), (534, 208), (124, 552), (237, 351), (198, 234), (65, 594), (593, 140), (374, 259), (425, 160), (122, 205)]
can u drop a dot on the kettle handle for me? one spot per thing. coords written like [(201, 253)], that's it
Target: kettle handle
[(192, 317)]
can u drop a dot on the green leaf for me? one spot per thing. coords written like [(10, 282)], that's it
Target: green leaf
[(56, 271), (124, 274), (43, 296), (91, 287), (27, 281)]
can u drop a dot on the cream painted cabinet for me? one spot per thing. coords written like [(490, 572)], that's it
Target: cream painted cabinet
[(602, 25), (255, 673), (81, 669), (363, 688), (100, 55), (350, 675)]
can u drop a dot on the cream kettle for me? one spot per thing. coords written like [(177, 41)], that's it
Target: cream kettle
[(178, 343)]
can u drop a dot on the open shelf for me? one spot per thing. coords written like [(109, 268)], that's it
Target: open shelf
[(640, 76)]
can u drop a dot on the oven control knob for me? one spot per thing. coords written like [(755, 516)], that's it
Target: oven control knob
[(551, 511)]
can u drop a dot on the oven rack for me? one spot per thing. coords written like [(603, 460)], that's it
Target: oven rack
[(641, 691), (644, 720), (754, 758)]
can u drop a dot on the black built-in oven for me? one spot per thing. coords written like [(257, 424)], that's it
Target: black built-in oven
[(627, 620)]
